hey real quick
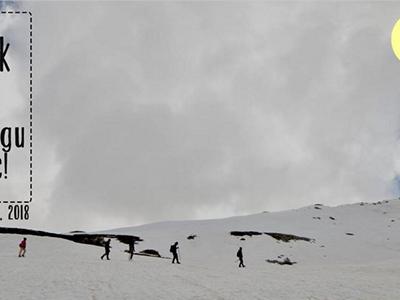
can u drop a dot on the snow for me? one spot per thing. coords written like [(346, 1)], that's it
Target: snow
[(363, 266)]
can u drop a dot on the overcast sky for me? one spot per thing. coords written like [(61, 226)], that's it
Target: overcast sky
[(158, 111)]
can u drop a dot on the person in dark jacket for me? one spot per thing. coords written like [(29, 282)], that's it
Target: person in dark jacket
[(174, 250), (131, 249), (107, 249), (240, 256), (22, 248)]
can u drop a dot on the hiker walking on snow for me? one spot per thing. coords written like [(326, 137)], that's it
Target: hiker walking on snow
[(240, 256), (131, 249), (174, 250), (22, 248), (107, 249)]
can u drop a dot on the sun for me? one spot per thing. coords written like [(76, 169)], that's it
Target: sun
[(396, 39)]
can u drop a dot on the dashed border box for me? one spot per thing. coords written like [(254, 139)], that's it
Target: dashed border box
[(29, 14)]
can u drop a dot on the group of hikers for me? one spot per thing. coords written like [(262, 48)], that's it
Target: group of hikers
[(174, 249), (107, 250)]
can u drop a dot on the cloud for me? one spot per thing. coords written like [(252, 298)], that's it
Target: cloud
[(168, 111)]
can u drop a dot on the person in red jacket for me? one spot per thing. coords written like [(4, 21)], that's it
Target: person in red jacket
[(22, 248)]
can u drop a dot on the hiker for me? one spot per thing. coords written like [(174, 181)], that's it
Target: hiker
[(107, 249), (131, 249), (22, 248), (240, 256), (174, 250)]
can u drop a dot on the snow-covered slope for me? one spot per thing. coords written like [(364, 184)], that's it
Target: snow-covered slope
[(336, 265), (345, 234)]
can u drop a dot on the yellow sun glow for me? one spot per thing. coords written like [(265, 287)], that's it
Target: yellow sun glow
[(396, 39)]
